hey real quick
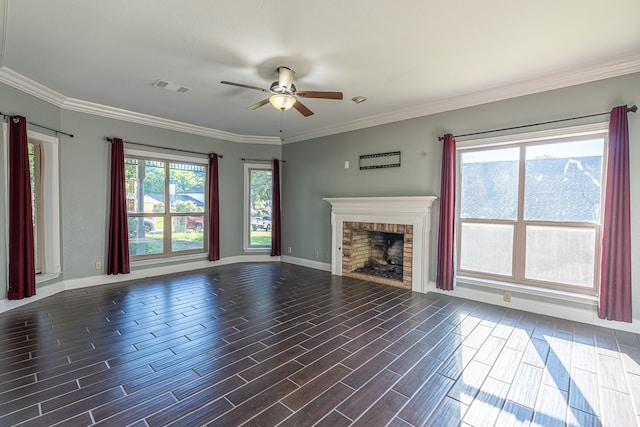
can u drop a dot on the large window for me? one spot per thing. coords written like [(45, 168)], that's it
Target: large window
[(166, 206), (258, 187), (530, 212)]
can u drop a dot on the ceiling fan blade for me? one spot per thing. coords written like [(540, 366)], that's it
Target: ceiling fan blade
[(245, 86), (317, 94), (258, 104), (302, 109)]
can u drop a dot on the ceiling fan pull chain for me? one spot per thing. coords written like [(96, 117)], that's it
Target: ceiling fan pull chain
[(282, 127)]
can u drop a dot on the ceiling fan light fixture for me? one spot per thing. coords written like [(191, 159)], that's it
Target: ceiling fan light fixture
[(282, 102)]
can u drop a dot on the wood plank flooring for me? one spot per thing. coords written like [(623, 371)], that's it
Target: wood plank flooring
[(276, 344)]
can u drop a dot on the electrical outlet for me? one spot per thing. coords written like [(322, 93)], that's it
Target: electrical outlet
[(289, 249), (506, 296), (98, 265)]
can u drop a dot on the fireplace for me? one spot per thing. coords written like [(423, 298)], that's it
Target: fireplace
[(366, 229), (378, 252)]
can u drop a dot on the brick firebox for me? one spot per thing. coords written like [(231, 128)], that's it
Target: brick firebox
[(356, 250)]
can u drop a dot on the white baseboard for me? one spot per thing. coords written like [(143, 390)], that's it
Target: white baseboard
[(153, 271), (140, 273), (584, 313), (43, 292), (306, 263)]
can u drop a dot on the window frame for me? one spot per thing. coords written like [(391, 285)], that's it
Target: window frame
[(246, 240), (517, 278), (167, 215)]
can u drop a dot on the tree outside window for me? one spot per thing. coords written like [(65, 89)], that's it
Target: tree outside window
[(260, 181), (166, 207)]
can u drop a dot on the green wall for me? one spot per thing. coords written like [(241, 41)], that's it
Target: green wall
[(84, 178), (315, 168)]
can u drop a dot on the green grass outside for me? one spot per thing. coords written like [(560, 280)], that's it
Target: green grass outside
[(260, 238), (153, 242), (185, 241)]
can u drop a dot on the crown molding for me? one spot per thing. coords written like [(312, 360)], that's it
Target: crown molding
[(569, 77), (148, 120), (31, 87)]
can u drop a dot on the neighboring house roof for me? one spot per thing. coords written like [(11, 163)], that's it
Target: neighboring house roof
[(196, 198), (562, 189), (150, 199)]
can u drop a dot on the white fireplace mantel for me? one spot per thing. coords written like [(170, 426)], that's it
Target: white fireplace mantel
[(410, 210)]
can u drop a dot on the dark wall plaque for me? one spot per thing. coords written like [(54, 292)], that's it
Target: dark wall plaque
[(380, 160)]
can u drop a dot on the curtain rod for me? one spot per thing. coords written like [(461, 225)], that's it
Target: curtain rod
[(164, 148), (5, 116), (261, 160), (632, 109)]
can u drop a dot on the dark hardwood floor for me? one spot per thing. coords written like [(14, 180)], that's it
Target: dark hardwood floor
[(277, 344)]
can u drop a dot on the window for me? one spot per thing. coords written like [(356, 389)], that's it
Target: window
[(258, 185), (530, 211), (35, 174), (166, 206), (45, 193)]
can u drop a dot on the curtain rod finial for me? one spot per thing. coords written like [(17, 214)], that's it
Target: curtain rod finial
[(633, 108)]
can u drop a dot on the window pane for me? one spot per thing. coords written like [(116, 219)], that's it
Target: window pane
[(561, 254), (145, 185), (260, 183), (489, 187), (563, 181), (34, 177), (184, 238), (486, 248), (186, 187), (145, 235)]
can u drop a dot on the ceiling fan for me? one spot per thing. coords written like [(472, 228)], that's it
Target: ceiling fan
[(284, 94)]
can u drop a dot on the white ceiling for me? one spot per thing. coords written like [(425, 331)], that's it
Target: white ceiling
[(409, 58)]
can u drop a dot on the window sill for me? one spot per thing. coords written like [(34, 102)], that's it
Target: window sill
[(46, 277), (257, 250), (466, 281), (168, 260)]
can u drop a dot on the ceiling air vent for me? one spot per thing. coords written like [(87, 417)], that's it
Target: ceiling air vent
[(170, 86)]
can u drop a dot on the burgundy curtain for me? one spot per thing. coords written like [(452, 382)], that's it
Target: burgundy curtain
[(446, 243), (22, 272), (214, 209), (615, 271), (118, 256), (276, 234)]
